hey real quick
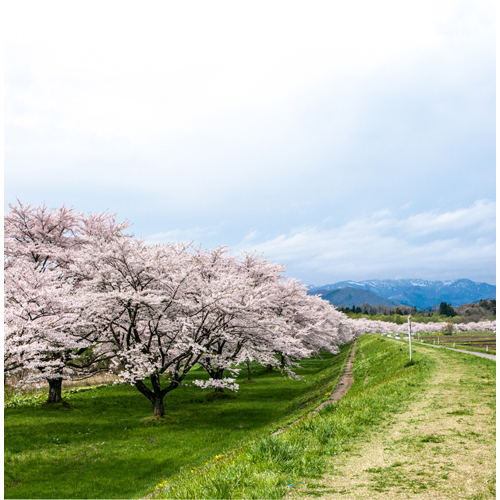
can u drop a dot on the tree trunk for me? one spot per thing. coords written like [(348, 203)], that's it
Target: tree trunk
[(156, 396), (55, 390), (158, 410), (269, 368), (218, 376), (248, 370)]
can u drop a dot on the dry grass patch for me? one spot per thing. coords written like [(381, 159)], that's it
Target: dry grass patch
[(98, 379)]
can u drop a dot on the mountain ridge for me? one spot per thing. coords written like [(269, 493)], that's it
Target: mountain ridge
[(349, 296), (419, 293)]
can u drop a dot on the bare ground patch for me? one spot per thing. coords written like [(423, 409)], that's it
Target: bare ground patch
[(443, 447)]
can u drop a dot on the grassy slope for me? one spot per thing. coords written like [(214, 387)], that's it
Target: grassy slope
[(105, 447), (384, 384), (441, 447), (467, 347)]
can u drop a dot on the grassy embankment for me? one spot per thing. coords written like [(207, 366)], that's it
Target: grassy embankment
[(106, 445), (385, 383), (441, 447)]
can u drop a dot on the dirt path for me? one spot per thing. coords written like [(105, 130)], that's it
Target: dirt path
[(442, 448), (344, 383)]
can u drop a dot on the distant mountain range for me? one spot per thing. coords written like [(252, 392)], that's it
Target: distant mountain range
[(349, 296), (411, 292)]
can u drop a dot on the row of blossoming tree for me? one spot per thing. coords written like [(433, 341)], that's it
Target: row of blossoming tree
[(82, 296), (364, 325)]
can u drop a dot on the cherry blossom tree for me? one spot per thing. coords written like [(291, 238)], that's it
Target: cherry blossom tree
[(260, 315), (243, 321), (314, 320), (40, 293), (80, 292), (142, 301)]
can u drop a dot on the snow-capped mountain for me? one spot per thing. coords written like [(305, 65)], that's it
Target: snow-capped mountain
[(420, 293)]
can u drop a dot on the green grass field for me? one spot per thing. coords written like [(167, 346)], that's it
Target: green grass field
[(441, 447), (106, 446), (467, 347)]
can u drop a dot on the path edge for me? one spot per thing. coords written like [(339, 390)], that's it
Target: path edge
[(343, 385)]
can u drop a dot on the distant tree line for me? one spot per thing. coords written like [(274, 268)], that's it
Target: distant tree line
[(488, 305), (446, 310), (476, 312), (380, 309), (465, 313)]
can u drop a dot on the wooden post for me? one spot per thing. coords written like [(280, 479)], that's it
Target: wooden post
[(409, 332)]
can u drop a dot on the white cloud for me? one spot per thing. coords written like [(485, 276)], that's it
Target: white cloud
[(233, 118), (115, 71), (271, 106), (453, 244), (480, 216), (195, 235), (250, 237)]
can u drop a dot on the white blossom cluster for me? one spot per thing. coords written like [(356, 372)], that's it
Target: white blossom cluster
[(364, 325)]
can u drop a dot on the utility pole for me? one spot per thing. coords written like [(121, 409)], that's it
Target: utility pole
[(409, 332)]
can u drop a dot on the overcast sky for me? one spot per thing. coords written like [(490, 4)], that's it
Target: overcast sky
[(348, 140)]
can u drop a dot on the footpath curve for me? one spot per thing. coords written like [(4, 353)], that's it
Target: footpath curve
[(344, 383)]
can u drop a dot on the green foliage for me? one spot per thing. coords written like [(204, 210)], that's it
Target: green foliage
[(446, 310), (484, 310)]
